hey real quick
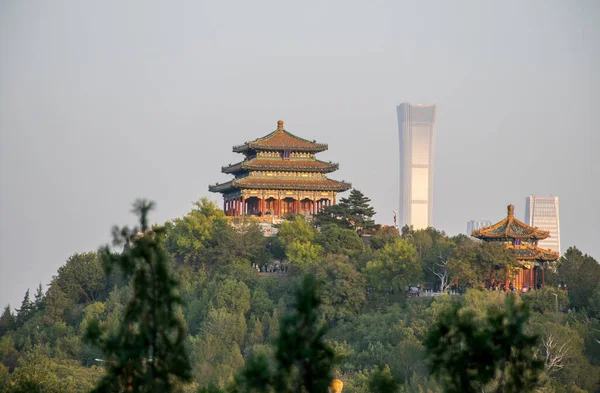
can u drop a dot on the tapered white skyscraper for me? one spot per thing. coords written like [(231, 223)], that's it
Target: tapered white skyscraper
[(416, 125), (542, 212)]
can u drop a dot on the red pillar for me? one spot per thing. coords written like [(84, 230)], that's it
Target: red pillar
[(243, 206)]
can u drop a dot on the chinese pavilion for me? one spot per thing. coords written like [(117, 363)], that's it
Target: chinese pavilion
[(522, 240), (279, 175)]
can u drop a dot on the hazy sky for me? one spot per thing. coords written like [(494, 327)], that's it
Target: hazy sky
[(104, 102)]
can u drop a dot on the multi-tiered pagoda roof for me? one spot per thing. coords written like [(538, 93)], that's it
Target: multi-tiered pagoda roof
[(276, 164), (510, 228), (522, 240), (519, 237), (280, 170), (278, 140)]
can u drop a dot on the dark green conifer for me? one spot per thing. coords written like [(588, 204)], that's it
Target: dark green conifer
[(7, 321), (359, 209), (147, 352), (495, 355), (303, 361), (26, 310), (352, 212), (39, 298)]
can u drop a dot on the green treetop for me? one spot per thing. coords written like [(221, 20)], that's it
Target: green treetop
[(303, 361), (26, 310), (494, 355), (352, 212), (146, 353)]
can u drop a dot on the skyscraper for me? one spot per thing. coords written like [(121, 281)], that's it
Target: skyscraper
[(477, 224), (542, 212), (416, 126)]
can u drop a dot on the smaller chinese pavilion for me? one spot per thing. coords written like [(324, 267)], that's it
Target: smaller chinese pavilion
[(280, 175), (522, 240)]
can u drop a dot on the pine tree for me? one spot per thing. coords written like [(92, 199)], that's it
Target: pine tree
[(352, 212), (469, 356), (26, 309), (147, 353), (359, 209), (39, 298), (7, 321), (303, 361)]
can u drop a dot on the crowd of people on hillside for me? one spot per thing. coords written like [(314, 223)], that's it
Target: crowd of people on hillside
[(271, 268)]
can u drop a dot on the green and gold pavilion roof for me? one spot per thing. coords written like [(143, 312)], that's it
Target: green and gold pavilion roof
[(510, 228), (281, 164), (280, 161), (282, 183), (281, 140), (533, 253)]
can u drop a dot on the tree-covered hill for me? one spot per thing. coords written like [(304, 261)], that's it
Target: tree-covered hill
[(235, 285)]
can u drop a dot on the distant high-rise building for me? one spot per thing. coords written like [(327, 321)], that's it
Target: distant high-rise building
[(542, 212), (416, 125), (476, 225)]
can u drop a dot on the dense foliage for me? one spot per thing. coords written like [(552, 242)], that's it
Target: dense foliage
[(235, 286), (146, 353), (495, 353)]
